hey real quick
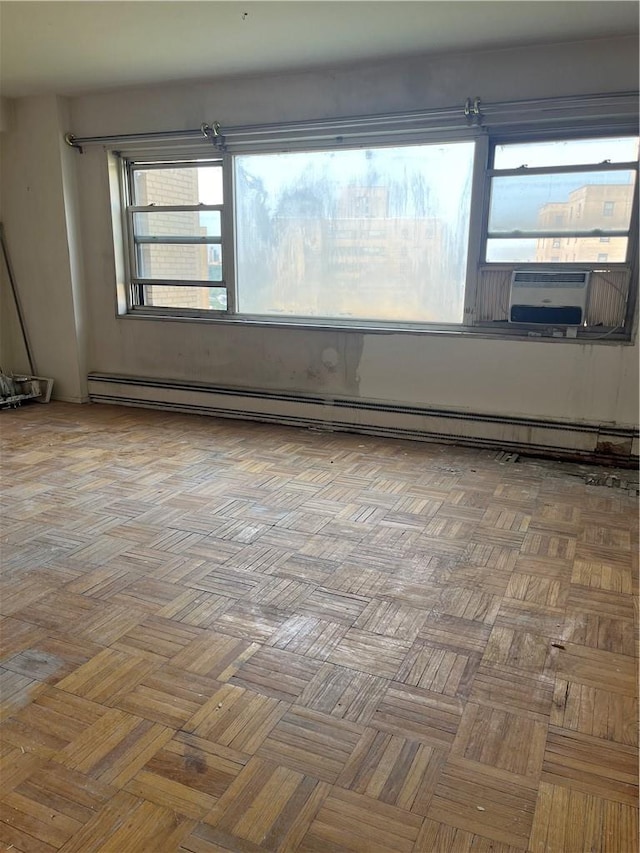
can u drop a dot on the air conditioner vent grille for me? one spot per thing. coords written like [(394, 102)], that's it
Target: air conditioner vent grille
[(550, 279)]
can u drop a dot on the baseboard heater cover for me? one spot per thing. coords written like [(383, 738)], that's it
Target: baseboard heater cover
[(527, 435)]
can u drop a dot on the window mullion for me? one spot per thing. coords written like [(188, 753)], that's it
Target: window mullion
[(475, 242), (228, 233)]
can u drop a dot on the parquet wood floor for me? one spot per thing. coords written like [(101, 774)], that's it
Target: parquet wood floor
[(223, 636)]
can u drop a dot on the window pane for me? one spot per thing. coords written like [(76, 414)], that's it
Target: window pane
[(567, 250), (566, 152), (180, 262), (178, 185), (177, 224), (562, 202), (174, 296), (365, 234)]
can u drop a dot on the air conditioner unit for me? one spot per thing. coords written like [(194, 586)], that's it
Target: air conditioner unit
[(550, 298)]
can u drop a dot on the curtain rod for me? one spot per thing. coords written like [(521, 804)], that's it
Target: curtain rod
[(208, 131), (474, 112)]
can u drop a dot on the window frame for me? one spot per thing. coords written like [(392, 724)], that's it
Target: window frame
[(486, 140), (137, 283)]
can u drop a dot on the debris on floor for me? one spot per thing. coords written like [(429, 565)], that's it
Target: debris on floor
[(15, 390)]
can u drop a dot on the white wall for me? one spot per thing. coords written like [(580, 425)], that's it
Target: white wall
[(569, 381), (38, 208)]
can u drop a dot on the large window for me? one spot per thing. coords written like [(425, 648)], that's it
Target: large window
[(374, 234), (419, 234)]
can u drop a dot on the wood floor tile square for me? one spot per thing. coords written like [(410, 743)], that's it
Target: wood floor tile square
[(600, 602), (250, 621), (603, 576), (520, 650), (349, 821), (594, 766), (482, 801), (260, 558), (280, 674), (215, 655), (372, 653), (344, 693), (423, 595), (226, 582), (501, 739), (282, 593), (237, 718), (543, 544), (305, 568), (469, 604), (110, 623), (606, 536), (462, 636), (334, 606), (418, 714), (594, 711), (549, 592), (169, 696), (104, 581), (355, 579), (525, 693), (439, 670), (197, 608), (114, 748), (392, 619), (50, 806), (108, 676), (312, 743), (157, 638), (394, 770), (600, 632), (52, 721), (309, 636), (531, 617), (493, 581), (268, 805)]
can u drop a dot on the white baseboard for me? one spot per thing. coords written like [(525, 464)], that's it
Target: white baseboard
[(525, 435)]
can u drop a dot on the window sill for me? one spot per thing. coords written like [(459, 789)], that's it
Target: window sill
[(500, 330)]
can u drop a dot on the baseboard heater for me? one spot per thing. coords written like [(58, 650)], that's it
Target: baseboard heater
[(340, 414)]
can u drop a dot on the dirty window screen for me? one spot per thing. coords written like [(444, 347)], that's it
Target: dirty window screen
[(362, 234)]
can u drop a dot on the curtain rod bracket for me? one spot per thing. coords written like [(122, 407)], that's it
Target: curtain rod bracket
[(212, 133), (472, 111), (70, 139)]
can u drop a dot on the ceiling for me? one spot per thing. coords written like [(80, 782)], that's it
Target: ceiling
[(74, 47)]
